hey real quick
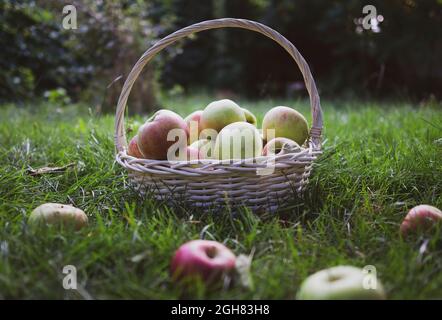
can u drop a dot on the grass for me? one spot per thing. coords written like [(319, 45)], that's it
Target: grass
[(379, 161)]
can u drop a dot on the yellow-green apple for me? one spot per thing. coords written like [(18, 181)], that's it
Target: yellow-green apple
[(287, 123), (133, 149), (193, 125), (58, 214), (203, 259), (280, 146), (154, 135), (221, 113), (250, 117), (205, 147), (341, 283), (238, 140), (421, 218)]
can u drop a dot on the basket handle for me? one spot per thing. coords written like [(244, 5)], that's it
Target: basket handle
[(315, 131)]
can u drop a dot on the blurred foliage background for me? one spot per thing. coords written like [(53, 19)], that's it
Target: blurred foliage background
[(399, 57)]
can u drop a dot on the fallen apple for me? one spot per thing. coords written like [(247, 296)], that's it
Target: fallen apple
[(287, 123), (153, 141), (250, 117), (221, 113), (421, 218), (205, 147), (203, 259), (58, 214), (239, 140), (341, 283), (280, 146), (133, 149)]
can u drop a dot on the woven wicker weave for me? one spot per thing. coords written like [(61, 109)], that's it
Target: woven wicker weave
[(213, 183)]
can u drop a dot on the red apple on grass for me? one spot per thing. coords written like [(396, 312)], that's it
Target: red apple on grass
[(153, 134), (133, 149), (421, 217), (203, 259)]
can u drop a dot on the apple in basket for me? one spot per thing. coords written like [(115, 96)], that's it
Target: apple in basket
[(221, 113), (203, 259), (205, 148), (280, 146), (341, 283), (250, 117), (157, 134), (193, 125), (133, 149), (239, 140), (421, 218), (287, 123)]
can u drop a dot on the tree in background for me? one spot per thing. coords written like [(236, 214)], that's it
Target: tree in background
[(401, 57)]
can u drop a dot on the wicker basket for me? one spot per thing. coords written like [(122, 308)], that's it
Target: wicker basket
[(215, 183)]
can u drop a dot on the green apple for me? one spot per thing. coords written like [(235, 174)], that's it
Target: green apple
[(205, 148), (287, 123), (58, 214), (238, 140), (221, 113), (341, 283), (250, 117)]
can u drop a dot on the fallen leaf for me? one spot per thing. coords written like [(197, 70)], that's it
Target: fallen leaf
[(46, 170)]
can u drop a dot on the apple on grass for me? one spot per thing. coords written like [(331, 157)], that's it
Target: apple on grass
[(287, 123), (341, 283), (153, 141), (58, 214), (221, 113), (202, 259), (239, 140), (421, 218)]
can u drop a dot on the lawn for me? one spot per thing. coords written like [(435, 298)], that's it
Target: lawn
[(379, 160)]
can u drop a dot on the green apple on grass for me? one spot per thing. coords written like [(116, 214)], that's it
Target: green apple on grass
[(58, 214), (341, 283)]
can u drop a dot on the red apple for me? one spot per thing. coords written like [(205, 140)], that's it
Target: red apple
[(193, 124), (133, 149), (421, 217), (152, 135), (189, 153), (204, 259)]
